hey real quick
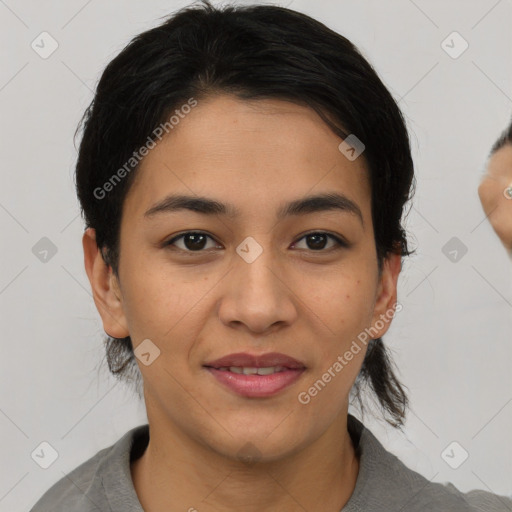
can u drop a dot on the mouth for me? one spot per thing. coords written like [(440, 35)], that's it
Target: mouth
[(256, 376), (251, 370)]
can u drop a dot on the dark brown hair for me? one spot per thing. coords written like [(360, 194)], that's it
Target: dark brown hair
[(504, 139)]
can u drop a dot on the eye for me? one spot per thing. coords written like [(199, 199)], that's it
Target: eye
[(317, 241), (194, 241)]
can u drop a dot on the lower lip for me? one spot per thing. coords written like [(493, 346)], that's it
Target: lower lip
[(256, 386)]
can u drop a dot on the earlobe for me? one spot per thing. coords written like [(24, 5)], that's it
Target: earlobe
[(105, 289), (386, 298)]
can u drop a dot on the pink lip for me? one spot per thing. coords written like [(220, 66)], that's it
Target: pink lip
[(256, 386), (253, 361)]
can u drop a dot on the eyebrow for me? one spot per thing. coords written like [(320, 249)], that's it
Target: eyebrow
[(303, 206)]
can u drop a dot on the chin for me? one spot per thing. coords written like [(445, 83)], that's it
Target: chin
[(268, 444), (252, 452)]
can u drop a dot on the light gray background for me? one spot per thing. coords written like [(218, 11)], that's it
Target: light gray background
[(452, 340)]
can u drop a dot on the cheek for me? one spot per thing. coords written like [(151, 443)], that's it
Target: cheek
[(346, 309), (345, 305), (158, 303)]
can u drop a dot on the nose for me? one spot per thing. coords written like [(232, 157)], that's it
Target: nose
[(258, 296)]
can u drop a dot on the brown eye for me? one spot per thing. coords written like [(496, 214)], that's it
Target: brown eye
[(192, 241), (196, 241), (317, 241)]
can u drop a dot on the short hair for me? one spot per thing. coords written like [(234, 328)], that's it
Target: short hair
[(504, 139), (250, 52)]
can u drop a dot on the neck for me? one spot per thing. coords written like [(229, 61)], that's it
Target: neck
[(175, 473)]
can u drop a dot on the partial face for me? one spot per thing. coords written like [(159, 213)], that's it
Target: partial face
[(251, 278), (495, 195)]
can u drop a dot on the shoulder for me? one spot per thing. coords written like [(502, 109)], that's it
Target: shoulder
[(484, 501), (435, 497), (386, 483), (422, 495), (70, 492), (86, 488), (416, 493)]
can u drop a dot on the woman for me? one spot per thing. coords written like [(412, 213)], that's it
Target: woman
[(242, 175)]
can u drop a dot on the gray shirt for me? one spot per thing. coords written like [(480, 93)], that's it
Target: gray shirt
[(384, 483)]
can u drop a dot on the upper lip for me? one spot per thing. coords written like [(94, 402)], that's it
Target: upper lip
[(245, 360)]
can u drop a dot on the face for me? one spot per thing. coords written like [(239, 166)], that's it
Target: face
[(496, 201), (251, 280)]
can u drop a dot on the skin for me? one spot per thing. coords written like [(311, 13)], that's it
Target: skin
[(495, 204), (306, 303)]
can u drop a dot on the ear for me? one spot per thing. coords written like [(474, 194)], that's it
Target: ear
[(105, 288), (385, 300)]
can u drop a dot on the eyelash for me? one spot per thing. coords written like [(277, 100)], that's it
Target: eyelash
[(341, 244)]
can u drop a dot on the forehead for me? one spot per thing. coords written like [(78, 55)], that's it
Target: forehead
[(255, 153)]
